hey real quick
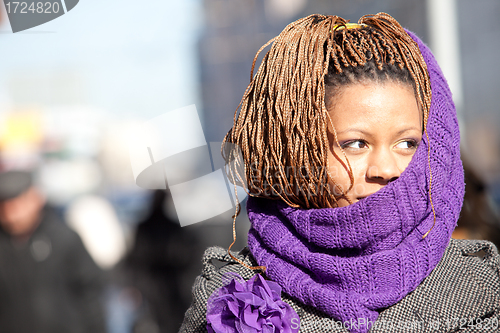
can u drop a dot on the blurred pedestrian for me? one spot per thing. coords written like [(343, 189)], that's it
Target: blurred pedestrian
[(159, 265), (48, 281), (480, 216)]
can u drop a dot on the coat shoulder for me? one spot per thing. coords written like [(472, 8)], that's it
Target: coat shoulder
[(216, 263), (464, 286)]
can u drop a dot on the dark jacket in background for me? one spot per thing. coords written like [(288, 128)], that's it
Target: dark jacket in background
[(49, 284), (159, 265)]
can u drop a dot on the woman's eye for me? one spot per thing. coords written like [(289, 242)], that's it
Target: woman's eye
[(408, 144), (357, 144)]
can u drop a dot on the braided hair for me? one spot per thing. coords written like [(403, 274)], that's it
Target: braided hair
[(282, 125)]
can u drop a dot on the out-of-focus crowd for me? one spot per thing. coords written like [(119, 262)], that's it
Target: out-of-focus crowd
[(57, 273)]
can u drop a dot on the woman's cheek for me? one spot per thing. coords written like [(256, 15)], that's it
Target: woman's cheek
[(341, 176), (405, 162)]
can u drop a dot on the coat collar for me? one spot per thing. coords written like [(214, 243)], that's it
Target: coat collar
[(464, 286)]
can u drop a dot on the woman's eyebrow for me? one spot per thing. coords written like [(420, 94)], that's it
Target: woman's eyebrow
[(412, 128), (353, 129), (367, 133)]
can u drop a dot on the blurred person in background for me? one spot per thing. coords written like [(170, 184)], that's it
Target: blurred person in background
[(479, 218), (48, 281), (159, 266)]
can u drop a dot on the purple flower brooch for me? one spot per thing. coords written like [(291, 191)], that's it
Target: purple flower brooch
[(250, 306)]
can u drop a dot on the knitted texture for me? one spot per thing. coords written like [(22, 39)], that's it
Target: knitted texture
[(352, 262)]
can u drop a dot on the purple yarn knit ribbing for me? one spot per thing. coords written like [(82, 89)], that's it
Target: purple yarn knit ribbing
[(352, 261)]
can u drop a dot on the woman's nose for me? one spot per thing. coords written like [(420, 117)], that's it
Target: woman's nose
[(382, 167)]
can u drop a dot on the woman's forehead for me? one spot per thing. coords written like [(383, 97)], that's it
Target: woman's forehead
[(369, 106)]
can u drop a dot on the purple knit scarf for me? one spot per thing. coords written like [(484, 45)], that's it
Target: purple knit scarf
[(352, 262)]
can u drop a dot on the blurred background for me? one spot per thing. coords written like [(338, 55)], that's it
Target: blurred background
[(74, 90)]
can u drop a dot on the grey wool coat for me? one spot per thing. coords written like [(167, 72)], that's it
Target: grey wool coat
[(462, 294)]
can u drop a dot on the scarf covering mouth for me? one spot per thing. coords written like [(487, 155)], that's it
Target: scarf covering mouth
[(352, 262)]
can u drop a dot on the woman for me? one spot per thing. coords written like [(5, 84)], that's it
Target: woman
[(350, 144)]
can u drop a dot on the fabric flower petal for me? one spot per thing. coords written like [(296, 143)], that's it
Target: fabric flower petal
[(252, 306)]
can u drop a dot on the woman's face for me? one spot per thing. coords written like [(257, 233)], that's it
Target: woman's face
[(379, 127)]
